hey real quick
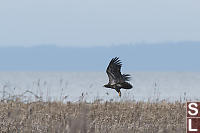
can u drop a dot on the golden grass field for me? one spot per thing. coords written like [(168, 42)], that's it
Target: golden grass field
[(96, 117)]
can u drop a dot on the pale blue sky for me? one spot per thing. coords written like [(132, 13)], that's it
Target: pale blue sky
[(97, 22)]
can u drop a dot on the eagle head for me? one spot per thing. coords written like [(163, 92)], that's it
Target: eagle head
[(107, 86)]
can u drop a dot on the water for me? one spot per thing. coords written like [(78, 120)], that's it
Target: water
[(76, 86)]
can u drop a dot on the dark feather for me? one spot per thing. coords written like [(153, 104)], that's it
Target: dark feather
[(126, 85), (126, 77), (113, 71), (117, 81)]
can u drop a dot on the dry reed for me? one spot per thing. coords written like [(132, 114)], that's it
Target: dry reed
[(96, 117)]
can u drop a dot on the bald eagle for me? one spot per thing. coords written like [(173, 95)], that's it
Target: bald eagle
[(117, 80)]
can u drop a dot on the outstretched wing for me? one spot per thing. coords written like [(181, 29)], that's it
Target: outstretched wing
[(126, 77), (114, 73)]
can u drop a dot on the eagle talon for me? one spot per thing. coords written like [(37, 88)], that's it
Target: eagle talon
[(119, 94)]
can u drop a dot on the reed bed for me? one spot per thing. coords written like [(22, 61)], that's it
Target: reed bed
[(95, 117)]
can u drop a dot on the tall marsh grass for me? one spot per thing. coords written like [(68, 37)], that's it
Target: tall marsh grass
[(95, 117)]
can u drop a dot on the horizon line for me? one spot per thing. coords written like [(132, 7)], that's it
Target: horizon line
[(93, 46)]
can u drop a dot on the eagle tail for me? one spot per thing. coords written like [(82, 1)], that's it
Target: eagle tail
[(126, 85)]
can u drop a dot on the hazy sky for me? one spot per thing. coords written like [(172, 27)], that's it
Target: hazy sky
[(97, 22)]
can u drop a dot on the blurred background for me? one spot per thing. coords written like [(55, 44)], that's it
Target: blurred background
[(157, 41)]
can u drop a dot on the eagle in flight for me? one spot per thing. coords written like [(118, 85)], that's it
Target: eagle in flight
[(117, 80)]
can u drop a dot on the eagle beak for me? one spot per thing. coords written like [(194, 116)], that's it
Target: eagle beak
[(119, 94)]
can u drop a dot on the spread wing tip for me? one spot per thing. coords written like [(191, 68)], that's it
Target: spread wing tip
[(116, 61), (127, 77)]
